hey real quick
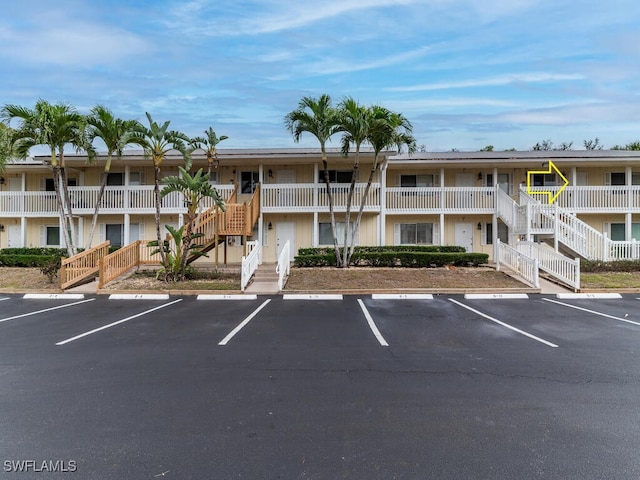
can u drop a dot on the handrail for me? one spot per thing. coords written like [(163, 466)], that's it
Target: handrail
[(81, 266), (250, 263), (118, 262), (283, 268), (522, 264), (563, 268)]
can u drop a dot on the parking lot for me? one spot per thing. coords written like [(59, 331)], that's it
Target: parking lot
[(445, 386)]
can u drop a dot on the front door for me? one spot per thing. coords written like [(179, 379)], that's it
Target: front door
[(14, 239), (285, 231), (464, 235)]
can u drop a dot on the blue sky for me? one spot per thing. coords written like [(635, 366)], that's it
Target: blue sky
[(466, 73)]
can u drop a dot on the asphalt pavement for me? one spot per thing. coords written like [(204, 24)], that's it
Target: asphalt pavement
[(314, 387)]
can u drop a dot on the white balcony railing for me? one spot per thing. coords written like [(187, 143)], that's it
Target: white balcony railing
[(310, 197), (594, 199), (133, 199), (435, 199)]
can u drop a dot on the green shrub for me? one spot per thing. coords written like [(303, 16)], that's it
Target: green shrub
[(25, 260), (385, 248), (46, 251), (595, 266), (397, 259)]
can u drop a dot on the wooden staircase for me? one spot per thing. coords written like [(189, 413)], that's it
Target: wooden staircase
[(237, 219)]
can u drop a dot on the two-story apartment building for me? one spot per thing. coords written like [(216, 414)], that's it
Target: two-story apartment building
[(455, 198)]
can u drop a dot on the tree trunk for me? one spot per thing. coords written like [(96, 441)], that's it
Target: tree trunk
[(63, 219), (356, 225), (156, 193), (67, 206), (346, 257), (94, 220), (325, 165)]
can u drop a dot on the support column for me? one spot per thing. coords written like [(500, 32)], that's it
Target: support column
[(628, 230), (126, 240), (23, 231), (442, 229), (382, 218)]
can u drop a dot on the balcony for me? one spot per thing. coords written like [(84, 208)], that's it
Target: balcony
[(312, 197), (600, 199), (116, 200), (408, 200)]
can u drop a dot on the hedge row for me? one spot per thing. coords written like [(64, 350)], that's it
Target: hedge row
[(589, 266), (48, 251), (397, 259), (386, 248)]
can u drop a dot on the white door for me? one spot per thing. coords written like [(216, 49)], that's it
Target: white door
[(13, 237), (464, 235), (285, 231)]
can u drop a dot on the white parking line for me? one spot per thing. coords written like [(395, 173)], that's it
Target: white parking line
[(372, 325), (226, 297), (139, 296), (494, 296), (311, 296), (46, 310), (95, 330), (571, 296), (5, 298), (592, 311), (226, 339), (506, 325), (401, 296)]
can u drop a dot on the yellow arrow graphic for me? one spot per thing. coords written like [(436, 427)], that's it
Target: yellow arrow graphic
[(552, 196)]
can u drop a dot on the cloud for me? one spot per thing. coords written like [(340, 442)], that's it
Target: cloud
[(508, 79)]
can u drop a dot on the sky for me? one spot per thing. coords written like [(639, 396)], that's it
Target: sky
[(466, 73)]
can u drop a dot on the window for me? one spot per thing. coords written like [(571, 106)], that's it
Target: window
[(114, 179), (487, 234), (325, 237), (213, 178), (617, 231), (336, 176), (544, 180), (49, 187), (417, 181), (51, 236), (415, 233), (136, 178)]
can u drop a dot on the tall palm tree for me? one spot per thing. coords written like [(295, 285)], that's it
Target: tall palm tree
[(157, 141), (387, 130), (53, 126), (116, 135), (208, 144), (354, 122), (317, 117)]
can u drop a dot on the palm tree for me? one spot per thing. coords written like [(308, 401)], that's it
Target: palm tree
[(354, 122), (320, 119), (116, 135), (54, 126), (193, 189), (157, 141), (208, 144), (387, 129)]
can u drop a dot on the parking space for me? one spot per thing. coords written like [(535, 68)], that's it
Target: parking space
[(151, 387)]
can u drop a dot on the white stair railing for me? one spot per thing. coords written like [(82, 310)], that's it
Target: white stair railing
[(250, 263), (519, 262), (284, 265), (563, 268)]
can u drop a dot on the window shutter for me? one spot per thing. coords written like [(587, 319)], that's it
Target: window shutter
[(141, 231), (43, 184), (436, 180), (436, 233), (356, 236), (483, 234), (103, 232), (398, 180), (606, 228), (396, 234), (43, 236), (607, 178)]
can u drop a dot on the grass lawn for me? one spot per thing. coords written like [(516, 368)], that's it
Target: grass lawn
[(610, 280)]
